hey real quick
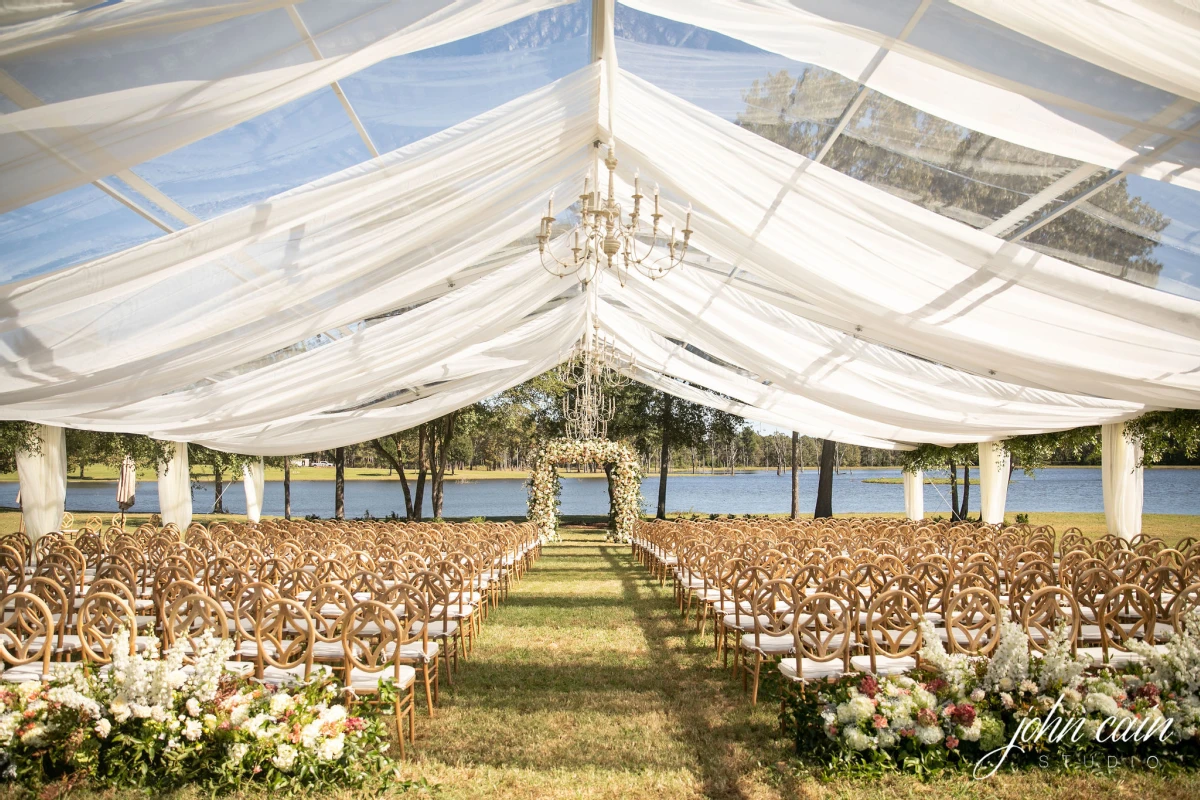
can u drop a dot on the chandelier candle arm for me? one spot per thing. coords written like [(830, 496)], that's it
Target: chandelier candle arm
[(603, 232)]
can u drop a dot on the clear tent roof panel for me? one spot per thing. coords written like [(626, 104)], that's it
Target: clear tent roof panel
[(299, 142), (404, 99), (949, 169), (69, 228)]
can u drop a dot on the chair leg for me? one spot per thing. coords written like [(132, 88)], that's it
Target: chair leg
[(757, 667), (428, 689)]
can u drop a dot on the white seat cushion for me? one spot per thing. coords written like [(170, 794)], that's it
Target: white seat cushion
[(280, 676), (884, 665), (361, 679), (769, 644), (438, 629), (810, 669), (25, 672)]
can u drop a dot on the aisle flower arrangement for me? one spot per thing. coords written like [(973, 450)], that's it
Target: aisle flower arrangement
[(1012, 709), (150, 722), (544, 486)]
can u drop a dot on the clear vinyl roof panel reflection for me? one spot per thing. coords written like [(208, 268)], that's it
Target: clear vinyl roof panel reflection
[(1136, 229)]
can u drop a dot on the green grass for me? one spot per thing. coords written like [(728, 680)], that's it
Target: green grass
[(586, 684)]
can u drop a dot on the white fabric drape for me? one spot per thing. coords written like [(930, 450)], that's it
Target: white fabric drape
[(43, 479), (861, 259), (1157, 43), (1121, 476), (253, 480), (994, 461), (979, 75), (351, 246), (52, 147), (841, 371), (175, 489), (538, 345), (914, 495)]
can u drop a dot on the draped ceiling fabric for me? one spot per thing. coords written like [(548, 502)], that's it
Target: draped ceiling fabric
[(388, 164)]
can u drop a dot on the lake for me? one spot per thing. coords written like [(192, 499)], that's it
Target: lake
[(1167, 491)]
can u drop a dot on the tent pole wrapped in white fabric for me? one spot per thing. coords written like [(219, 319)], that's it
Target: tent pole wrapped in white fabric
[(253, 477), (914, 495), (993, 482), (1121, 474), (401, 280), (175, 488), (43, 476)]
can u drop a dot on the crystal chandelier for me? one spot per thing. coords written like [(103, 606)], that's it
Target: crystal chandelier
[(603, 237), (597, 366)]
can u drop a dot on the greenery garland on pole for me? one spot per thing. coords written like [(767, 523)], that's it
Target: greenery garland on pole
[(544, 485)]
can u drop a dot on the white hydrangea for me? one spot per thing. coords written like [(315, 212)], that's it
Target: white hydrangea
[(331, 749), (193, 707), (929, 734), (310, 734), (8, 726), (103, 728), (193, 729), (971, 733), (280, 703), (857, 739), (1100, 703), (284, 758), (237, 752), (855, 710)]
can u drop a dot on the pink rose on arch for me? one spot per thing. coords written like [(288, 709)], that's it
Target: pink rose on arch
[(880, 721), (927, 717), (951, 742)]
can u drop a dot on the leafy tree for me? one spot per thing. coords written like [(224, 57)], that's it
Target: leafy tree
[(935, 458), (221, 464)]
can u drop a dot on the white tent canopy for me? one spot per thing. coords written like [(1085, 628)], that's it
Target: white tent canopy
[(1007, 243)]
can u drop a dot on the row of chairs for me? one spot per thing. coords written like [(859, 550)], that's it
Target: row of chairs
[(821, 597)]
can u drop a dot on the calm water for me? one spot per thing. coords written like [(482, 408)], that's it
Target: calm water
[(1167, 491)]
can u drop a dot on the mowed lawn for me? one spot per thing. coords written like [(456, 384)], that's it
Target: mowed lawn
[(587, 684)]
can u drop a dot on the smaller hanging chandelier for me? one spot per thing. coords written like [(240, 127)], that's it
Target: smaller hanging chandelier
[(604, 238), (596, 366)]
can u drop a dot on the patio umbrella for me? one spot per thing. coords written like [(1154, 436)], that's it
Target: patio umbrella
[(126, 486)]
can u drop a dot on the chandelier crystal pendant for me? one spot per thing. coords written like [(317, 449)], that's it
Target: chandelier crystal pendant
[(603, 237)]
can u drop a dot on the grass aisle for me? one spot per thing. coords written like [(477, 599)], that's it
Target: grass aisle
[(585, 684)]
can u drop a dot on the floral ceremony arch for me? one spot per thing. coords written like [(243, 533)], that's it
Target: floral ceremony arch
[(544, 486)]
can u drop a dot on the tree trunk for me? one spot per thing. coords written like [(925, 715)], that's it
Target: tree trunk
[(218, 492), (955, 514), (825, 481), (795, 476), (666, 425), (439, 445), (339, 483), (396, 463), (287, 488), (419, 494), (965, 509)]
